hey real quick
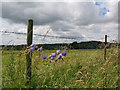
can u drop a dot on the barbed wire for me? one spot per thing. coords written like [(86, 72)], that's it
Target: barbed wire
[(43, 35), (112, 40), (66, 39)]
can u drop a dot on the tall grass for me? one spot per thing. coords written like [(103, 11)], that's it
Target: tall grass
[(84, 68)]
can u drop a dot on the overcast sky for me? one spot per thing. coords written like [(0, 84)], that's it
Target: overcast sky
[(63, 19)]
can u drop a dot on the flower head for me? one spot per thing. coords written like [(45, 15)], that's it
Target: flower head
[(60, 56), (40, 49), (32, 45), (32, 49), (53, 54), (64, 53), (52, 57), (44, 56), (58, 52)]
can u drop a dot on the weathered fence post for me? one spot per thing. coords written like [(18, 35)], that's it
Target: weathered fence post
[(29, 55), (105, 49)]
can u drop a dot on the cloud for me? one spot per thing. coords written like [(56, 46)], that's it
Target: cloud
[(77, 19), (47, 12)]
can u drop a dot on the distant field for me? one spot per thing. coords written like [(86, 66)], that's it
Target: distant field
[(83, 68)]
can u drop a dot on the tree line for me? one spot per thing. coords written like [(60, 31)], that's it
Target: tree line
[(74, 45)]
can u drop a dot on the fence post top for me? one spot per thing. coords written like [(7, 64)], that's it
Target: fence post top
[(30, 19)]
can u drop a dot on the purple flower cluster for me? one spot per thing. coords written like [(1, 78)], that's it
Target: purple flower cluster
[(32, 48), (56, 55)]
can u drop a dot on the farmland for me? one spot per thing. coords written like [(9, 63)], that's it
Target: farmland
[(81, 68), (60, 44)]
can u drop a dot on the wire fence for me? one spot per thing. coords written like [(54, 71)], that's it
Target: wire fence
[(51, 36), (43, 39), (17, 66), (66, 39), (21, 33)]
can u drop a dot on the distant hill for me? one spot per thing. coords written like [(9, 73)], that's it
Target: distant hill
[(74, 45)]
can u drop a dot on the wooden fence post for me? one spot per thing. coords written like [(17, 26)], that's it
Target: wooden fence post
[(29, 55), (105, 49)]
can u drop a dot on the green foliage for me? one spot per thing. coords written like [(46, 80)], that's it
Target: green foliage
[(74, 45), (80, 69)]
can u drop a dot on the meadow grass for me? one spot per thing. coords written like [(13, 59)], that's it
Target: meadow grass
[(83, 68)]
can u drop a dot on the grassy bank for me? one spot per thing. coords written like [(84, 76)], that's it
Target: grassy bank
[(83, 68)]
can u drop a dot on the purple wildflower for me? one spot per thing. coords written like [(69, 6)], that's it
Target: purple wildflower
[(58, 52), (64, 53), (32, 45), (52, 57), (60, 56), (53, 54), (32, 49), (44, 56), (40, 49)]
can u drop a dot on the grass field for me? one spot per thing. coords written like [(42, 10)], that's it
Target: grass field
[(84, 68)]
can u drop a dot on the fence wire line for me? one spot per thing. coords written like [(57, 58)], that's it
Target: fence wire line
[(42, 35), (50, 36), (112, 40), (60, 37)]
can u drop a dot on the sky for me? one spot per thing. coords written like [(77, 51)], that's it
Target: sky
[(85, 20)]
